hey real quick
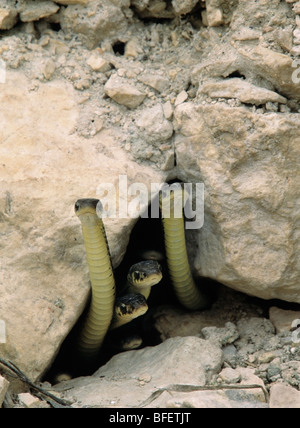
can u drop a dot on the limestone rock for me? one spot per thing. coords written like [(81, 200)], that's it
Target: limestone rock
[(123, 92), (155, 81), (283, 396), (214, 13), (98, 63), (105, 20), (257, 64), (8, 18), (154, 125), (249, 166), (188, 360), (182, 7), (242, 90), (69, 2), (4, 384), (32, 11), (283, 318), (29, 401), (275, 67), (44, 283)]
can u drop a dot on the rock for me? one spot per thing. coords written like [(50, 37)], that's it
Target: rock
[(257, 252), (182, 7), (8, 18), (69, 2), (276, 68), (44, 276), (296, 8), (181, 98), (214, 13), (133, 48), (284, 396), (123, 92), (155, 81), (222, 336), (98, 63), (153, 124), (229, 375), (4, 384), (183, 361), (105, 20), (30, 10), (242, 90), (282, 318), (48, 69), (208, 400), (29, 401)]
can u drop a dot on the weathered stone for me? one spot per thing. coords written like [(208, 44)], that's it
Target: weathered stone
[(68, 2), (49, 69), (242, 90), (284, 396), (4, 384), (155, 81), (8, 18), (29, 401), (229, 375), (44, 282), (122, 92), (282, 318), (182, 7), (105, 20), (187, 360), (181, 98), (30, 10), (214, 13), (98, 63), (244, 159), (154, 125), (274, 67)]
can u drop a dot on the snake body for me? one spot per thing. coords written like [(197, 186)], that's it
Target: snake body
[(184, 285), (105, 312), (101, 308)]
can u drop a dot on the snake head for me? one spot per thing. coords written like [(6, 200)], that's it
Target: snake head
[(145, 273)]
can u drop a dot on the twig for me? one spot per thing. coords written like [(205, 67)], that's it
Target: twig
[(39, 391), (192, 388)]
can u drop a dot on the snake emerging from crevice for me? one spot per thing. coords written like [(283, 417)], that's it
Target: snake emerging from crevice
[(106, 311)]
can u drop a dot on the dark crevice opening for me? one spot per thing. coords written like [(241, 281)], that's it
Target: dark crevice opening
[(119, 47)]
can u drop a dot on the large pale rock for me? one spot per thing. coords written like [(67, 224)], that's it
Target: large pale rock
[(181, 360), (33, 11), (45, 167), (258, 64), (105, 20), (123, 92), (242, 90), (249, 164), (283, 396), (8, 18)]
